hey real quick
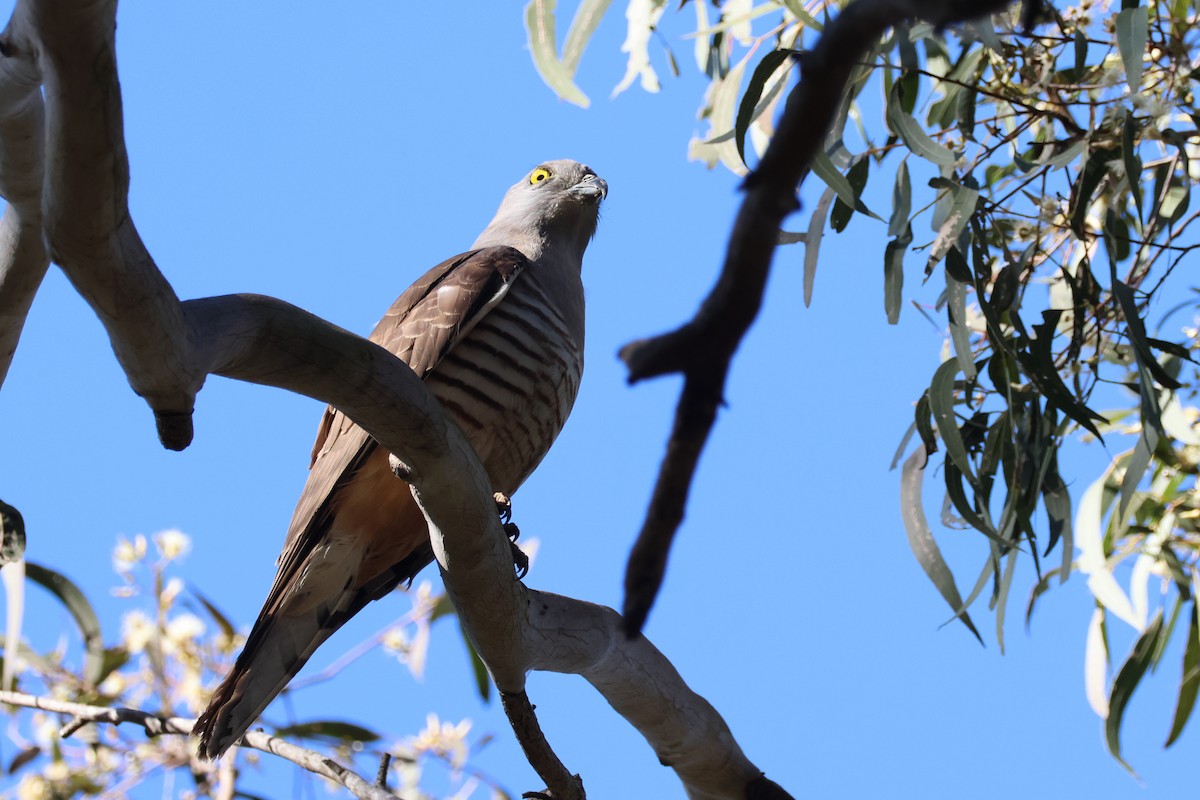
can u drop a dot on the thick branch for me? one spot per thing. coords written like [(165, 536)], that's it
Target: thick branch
[(167, 348), (703, 348), (87, 224), (156, 725), (23, 258)]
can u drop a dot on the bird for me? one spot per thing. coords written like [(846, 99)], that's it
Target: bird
[(497, 334)]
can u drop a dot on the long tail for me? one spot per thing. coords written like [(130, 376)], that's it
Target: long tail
[(280, 643)]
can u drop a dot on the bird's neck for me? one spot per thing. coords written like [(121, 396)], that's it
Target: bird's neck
[(564, 242)]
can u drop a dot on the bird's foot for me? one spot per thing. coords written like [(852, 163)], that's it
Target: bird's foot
[(503, 507), (520, 560)]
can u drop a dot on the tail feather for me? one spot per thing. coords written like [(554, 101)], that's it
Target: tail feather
[(285, 637), (284, 645)]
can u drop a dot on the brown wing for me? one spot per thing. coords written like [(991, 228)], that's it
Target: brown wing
[(421, 327)]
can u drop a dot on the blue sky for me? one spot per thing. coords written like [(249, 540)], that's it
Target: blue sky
[(330, 158)]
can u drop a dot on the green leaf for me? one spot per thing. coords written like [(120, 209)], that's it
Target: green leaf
[(765, 69), (857, 176), (921, 540), (824, 169), (893, 273), (583, 25), (332, 731), (1038, 363), (812, 243), (1136, 330), (1126, 682), (222, 621), (24, 757), (960, 334), (1131, 41), (901, 202), (1002, 596), (1133, 164), (1057, 502), (958, 215), (914, 135), (1189, 682), (941, 403), (1095, 167), (12, 534), (539, 25), (85, 617), (1038, 590), (799, 12)]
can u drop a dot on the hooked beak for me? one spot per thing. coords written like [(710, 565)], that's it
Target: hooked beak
[(592, 187)]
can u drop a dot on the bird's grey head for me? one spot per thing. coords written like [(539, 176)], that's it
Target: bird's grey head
[(556, 205)]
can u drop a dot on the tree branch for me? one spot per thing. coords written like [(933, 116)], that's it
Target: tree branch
[(703, 348), (167, 348), (156, 725)]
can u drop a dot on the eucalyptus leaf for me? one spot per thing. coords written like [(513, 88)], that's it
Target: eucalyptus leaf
[(1126, 681), (539, 26), (1131, 41), (758, 79), (81, 610), (812, 242), (1189, 682), (914, 135), (920, 537)]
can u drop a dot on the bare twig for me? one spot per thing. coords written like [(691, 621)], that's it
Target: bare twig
[(562, 785), (702, 349), (156, 725)]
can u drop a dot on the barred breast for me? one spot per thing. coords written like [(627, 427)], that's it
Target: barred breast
[(513, 408)]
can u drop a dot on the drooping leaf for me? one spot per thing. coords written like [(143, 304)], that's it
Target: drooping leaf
[(642, 17), (812, 242), (857, 176), (893, 273), (824, 169), (1095, 664), (328, 730), (920, 537), (958, 215), (1131, 41), (583, 25), (1057, 502), (1038, 590), (758, 79), (543, 46), (1095, 167), (901, 202), (24, 757), (941, 403), (1128, 677), (1136, 330), (1189, 683), (960, 334), (82, 612), (222, 621), (1038, 363), (914, 135), (1133, 164), (1002, 596), (721, 119)]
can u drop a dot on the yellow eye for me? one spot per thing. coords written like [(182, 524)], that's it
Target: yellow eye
[(539, 175)]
